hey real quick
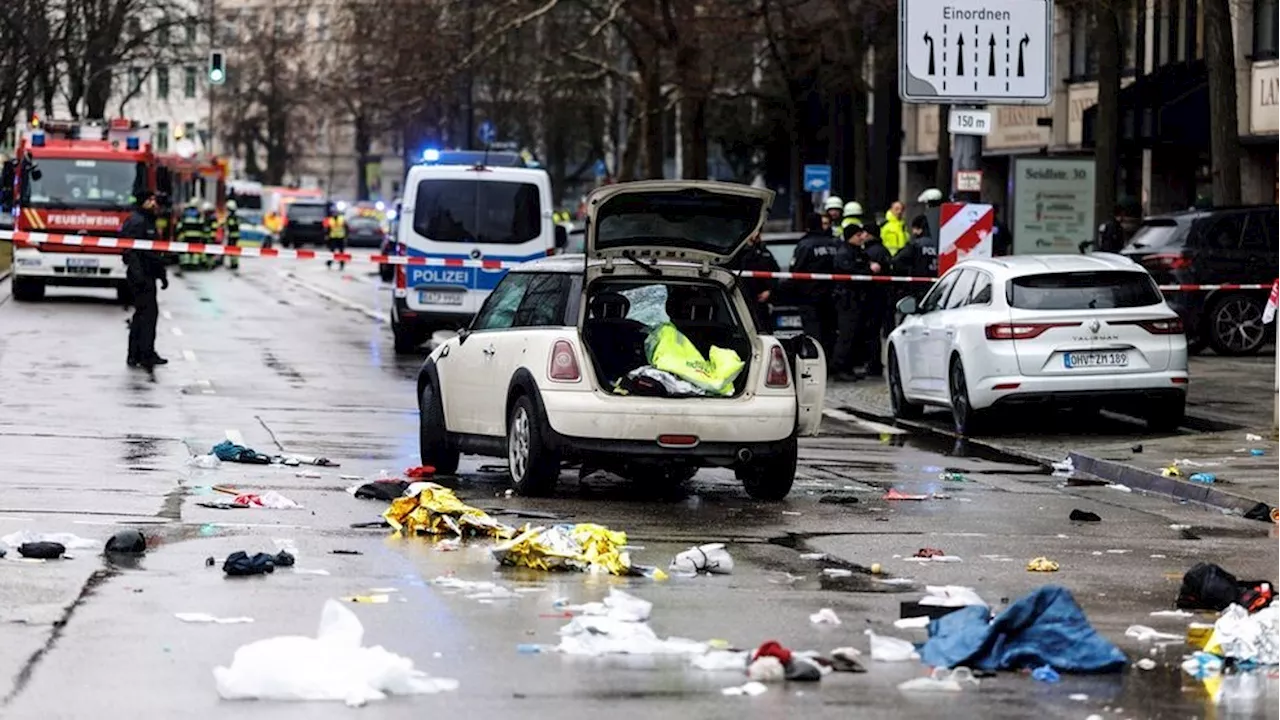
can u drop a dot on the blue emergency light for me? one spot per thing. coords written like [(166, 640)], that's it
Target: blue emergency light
[(131, 143), (37, 139), (431, 155)]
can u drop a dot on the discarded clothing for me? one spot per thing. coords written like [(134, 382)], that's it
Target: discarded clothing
[(1207, 586), (384, 490), (420, 472), (67, 540), (270, 500), (649, 381), (127, 542), (1242, 637), (228, 451), (435, 510), (711, 558), (582, 547), (1045, 627), (241, 564), (927, 553), (42, 550), (773, 662), (330, 666), (1084, 516), (669, 350)]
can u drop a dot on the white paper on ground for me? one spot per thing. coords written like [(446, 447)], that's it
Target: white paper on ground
[(67, 540), (750, 689), (891, 649), (604, 635), (331, 666), (722, 660), (951, 596), (1172, 613), (941, 680), (1241, 636), (617, 605), (195, 617), (912, 623), (1142, 633), (825, 616)]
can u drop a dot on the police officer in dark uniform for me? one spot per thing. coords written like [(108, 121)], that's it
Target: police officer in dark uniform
[(1111, 235), (919, 258), (816, 253), (142, 270), (758, 291), (876, 313), (849, 298)]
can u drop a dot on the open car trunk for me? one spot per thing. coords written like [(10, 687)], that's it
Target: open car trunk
[(622, 312)]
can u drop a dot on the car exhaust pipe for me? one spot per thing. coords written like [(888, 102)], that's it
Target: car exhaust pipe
[(745, 455)]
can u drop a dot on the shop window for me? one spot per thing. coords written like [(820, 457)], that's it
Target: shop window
[(1266, 35)]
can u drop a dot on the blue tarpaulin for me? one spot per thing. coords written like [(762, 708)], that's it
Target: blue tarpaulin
[(1046, 627)]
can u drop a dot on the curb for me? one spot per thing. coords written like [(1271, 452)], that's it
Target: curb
[(1108, 470), (1140, 479), (4, 274)]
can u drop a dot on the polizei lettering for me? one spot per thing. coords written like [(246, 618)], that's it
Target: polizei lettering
[(954, 13)]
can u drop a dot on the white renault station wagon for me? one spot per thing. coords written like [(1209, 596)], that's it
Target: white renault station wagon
[(554, 368)]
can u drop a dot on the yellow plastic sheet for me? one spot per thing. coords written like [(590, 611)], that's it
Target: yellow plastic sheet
[(582, 547), (437, 511), (668, 349)]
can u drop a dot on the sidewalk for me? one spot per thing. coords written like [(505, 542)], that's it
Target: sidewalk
[(1229, 399)]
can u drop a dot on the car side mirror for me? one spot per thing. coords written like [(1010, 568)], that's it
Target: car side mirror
[(463, 334), (562, 238), (908, 306)]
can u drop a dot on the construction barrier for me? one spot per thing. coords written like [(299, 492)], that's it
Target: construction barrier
[(24, 238)]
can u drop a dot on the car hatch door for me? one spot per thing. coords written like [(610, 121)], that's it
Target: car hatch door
[(810, 368)]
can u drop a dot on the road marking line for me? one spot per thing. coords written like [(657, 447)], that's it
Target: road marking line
[(381, 318), (235, 437), (871, 425), (189, 356), (176, 331)]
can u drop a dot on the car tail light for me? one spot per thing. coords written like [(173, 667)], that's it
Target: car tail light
[(1020, 331), (564, 363), (1167, 261), (677, 440), (1163, 326), (777, 375), (1180, 381)]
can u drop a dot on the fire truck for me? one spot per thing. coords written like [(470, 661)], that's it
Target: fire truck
[(78, 178)]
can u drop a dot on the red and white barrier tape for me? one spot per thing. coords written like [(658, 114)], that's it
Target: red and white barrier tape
[(24, 238)]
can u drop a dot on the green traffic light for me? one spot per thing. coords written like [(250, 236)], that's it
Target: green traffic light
[(216, 75)]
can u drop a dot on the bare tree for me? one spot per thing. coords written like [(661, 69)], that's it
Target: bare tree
[(1224, 132)]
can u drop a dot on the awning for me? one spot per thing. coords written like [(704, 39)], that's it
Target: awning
[(1169, 106)]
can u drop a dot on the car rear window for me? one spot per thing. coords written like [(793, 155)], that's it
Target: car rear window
[(306, 213), (1158, 233), (1083, 291), (479, 211)]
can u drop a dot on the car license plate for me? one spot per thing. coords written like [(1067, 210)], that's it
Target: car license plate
[(1114, 358), (82, 262), (437, 297), (789, 321)]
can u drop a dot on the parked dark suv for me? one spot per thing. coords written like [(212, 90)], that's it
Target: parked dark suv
[(1214, 247), (304, 224)]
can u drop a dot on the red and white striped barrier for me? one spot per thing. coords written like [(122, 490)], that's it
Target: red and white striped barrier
[(25, 238)]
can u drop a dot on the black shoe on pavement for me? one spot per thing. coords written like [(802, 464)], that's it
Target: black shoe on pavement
[(157, 360)]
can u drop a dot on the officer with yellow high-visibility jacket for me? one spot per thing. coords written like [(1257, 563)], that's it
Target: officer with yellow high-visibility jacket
[(336, 224), (852, 215)]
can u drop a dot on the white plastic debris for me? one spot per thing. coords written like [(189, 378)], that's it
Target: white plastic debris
[(207, 462), (767, 669), (711, 558), (1121, 488), (750, 689), (913, 623), (1142, 633), (941, 680), (1064, 468), (951, 596), (1251, 437), (67, 540), (813, 556), (837, 572), (890, 649), (1146, 664), (331, 666), (722, 660), (1078, 697), (195, 617), (309, 474), (1172, 613), (603, 635), (1241, 637), (617, 605), (825, 616)]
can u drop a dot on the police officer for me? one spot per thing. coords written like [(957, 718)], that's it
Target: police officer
[(231, 228), (877, 310), (816, 253), (337, 225), (833, 208), (1111, 233), (851, 259), (852, 216), (919, 257), (142, 270), (209, 216), (758, 291), (892, 233)]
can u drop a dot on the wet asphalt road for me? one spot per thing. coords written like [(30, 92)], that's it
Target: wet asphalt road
[(304, 364)]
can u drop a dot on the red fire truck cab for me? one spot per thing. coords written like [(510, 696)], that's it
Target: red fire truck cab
[(75, 178)]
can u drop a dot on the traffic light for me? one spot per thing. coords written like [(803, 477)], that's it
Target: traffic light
[(217, 68)]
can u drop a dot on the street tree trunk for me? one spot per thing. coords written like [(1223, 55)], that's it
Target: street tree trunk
[(650, 69), (942, 174), (1224, 133), (1107, 132), (858, 128), (362, 143)]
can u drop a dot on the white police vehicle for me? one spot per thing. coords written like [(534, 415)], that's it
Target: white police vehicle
[(460, 206)]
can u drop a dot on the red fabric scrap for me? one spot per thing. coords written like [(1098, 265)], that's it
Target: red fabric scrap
[(422, 471), (772, 648)]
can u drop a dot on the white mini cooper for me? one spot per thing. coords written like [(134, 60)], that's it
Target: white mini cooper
[(554, 367)]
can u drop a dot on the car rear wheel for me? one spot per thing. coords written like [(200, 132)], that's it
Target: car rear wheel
[(433, 436), (1234, 325), (902, 408), (967, 419), (27, 290), (533, 466), (1166, 415), (387, 272), (406, 341), (770, 479)]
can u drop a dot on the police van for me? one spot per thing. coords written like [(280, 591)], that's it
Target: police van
[(465, 205)]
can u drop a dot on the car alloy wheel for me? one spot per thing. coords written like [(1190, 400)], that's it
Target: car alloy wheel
[(962, 411), (534, 465), (518, 445), (902, 408), (1236, 326)]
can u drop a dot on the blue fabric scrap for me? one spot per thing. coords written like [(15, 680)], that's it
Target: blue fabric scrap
[(1046, 627)]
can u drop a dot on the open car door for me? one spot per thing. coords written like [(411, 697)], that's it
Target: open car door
[(809, 367)]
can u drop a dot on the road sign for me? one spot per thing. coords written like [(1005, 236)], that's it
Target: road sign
[(599, 169), (487, 132), (817, 178), (976, 51), (969, 181), (965, 121)]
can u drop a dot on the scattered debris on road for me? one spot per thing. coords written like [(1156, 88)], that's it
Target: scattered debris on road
[(711, 558), (1042, 564)]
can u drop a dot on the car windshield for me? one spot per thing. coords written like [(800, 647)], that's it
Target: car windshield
[(74, 183), (478, 211), (1158, 233), (363, 222), (306, 213), (1083, 291)]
